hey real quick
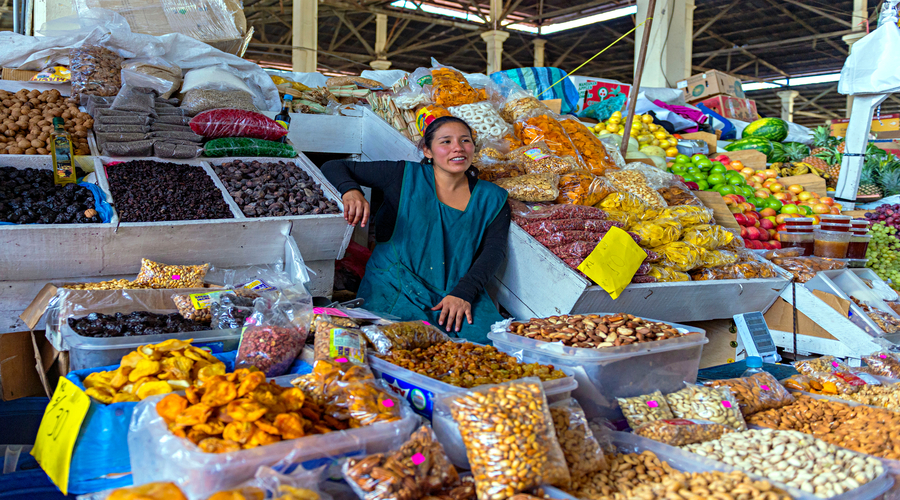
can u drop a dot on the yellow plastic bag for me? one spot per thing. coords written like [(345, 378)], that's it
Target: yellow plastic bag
[(657, 232), (708, 236), (624, 201), (662, 273), (688, 215), (680, 256)]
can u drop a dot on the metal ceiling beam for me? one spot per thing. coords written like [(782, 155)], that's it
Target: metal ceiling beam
[(819, 107), (822, 94), (510, 8), (715, 18), (402, 15), (365, 44), (442, 41), (396, 35), (806, 25), (568, 51), (775, 43), (562, 12), (419, 36), (748, 53), (820, 12)]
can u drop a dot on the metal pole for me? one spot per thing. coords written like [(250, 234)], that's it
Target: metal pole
[(17, 24), (636, 87), (794, 295)]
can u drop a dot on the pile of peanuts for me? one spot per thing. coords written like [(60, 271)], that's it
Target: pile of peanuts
[(873, 431), (793, 458), (884, 396), (644, 476), (510, 440), (595, 331), (581, 449)]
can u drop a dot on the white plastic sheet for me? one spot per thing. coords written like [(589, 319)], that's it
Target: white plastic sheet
[(871, 67), (645, 104), (106, 28), (386, 77)]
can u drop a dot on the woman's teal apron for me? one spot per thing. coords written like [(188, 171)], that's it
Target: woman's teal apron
[(432, 248)]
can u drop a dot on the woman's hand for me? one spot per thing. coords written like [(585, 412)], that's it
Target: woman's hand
[(356, 208), (453, 309)]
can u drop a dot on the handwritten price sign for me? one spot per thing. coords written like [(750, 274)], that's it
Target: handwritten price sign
[(613, 262), (58, 431)]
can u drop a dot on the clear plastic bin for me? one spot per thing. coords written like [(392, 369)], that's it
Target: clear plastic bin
[(606, 374), (158, 455), (421, 391), (690, 462)]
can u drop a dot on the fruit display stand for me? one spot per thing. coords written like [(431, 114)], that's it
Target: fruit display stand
[(522, 286), (850, 337)]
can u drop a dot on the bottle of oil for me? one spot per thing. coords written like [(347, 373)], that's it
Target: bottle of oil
[(61, 148), (284, 118)]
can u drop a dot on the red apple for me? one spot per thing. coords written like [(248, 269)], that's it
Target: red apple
[(767, 224), (757, 245), (775, 245), (768, 212), (764, 235), (781, 227), (745, 233), (741, 219), (738, 198), (753, 233)]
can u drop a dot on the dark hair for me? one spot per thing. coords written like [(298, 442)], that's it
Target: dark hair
[(432, 128)]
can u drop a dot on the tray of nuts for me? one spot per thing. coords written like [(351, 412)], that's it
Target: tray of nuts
[(426, 373), (609, 372), (668, 470)]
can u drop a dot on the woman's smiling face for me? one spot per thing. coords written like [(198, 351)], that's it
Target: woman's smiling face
[(452, 148)]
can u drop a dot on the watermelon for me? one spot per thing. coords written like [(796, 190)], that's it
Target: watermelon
[(773, 129), (764, 146), (778, 153)]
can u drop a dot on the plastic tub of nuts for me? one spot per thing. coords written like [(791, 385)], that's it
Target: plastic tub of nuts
[(607, 372), (87, 320), (690, 462), (422, 391)]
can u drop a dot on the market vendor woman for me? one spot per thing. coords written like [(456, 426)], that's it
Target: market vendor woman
[(441, 232)]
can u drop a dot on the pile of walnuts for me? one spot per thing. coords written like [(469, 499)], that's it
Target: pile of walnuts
[(26, 122)]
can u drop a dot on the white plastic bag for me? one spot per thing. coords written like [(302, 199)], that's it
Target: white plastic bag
[(871, 67), (645, 104)]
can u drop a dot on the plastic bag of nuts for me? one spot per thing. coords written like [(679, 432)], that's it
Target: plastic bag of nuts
[(883, 364), (404, 335), (509, 436), (95, 70), (532, 187), (196, 306), (680, 431), (715, 404), (758, 392), (417, 469), (824, 364), (635, 182), (269, 340), (639, 410), (581, 449), (159, 275), (338, 337)]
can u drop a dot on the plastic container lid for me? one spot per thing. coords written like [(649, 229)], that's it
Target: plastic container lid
[(796, 235), (859, 223), (754, 362), (832, 226), (799, 221), (825, 235), (835, 218)]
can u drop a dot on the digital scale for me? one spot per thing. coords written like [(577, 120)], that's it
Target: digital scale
[(753, 338)]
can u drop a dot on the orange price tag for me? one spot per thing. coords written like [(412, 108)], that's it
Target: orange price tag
[(58, 431), (613, 262)]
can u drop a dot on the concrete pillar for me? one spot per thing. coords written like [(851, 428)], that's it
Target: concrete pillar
[(305, 34), (669, 49), (494, 39), (860, 14), (381, 62), (539, 44), (850, 40), (787, 104)]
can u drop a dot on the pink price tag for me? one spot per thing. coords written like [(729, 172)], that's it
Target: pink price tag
[(342, 360), (426, 323), (834, 364), (652, 404), (176, 277), (726, 404), (387, 403), (884, 356), (417, 458), (764, 387)]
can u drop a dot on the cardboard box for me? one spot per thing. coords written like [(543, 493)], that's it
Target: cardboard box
[(733, 107), (883, 123), (220, 23), (591, 90), (709, 84), (18, 75), (781, 316)]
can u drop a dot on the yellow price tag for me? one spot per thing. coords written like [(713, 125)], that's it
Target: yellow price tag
[(59, 428), (613, 262)]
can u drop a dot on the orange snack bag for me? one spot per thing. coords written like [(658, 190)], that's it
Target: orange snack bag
[(593, 151)]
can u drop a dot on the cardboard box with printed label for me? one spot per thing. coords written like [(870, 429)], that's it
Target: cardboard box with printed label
[(591, 90), (709, 84), (883, 123), (733, 107)]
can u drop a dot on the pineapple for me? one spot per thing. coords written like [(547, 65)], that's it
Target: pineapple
[(868, 185), (827, 154), (890, 182), (821, 140)]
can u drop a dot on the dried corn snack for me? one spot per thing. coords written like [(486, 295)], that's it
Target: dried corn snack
[(625, 202), (657, 232), (634, 182), (689, 215), (665, 274), (708, 236), (680, 256)]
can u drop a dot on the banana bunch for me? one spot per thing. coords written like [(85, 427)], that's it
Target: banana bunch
[(788, 169)]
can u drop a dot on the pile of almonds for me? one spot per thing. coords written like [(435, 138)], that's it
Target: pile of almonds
[(595, 331)]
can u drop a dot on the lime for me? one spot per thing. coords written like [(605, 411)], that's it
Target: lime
[(696, 158), (718, 169), (806, 210), (689, 178), (682, 159), (702, 184), (716, 179), (774, 203), (725, 189), (704, 164), (736, 181), (790, 209), (747, 191)]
